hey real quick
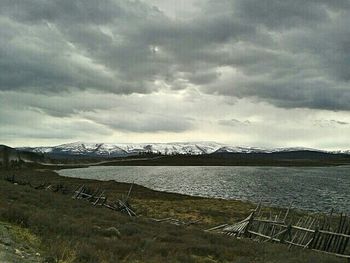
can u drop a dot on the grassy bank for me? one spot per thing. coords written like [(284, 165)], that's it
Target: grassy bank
[(74, 231)]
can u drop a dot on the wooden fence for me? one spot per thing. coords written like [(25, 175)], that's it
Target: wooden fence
[(329, 234), (97, 198)]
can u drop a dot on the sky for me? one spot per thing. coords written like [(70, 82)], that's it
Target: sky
[(272, 73)]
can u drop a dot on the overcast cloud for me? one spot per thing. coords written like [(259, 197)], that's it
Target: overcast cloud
[(246, 72)]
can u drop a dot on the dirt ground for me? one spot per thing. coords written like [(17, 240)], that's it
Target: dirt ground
[(16, 245)]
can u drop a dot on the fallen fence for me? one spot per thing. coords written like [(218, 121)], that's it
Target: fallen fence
[(95, 197), (329, 234), (174, 221)]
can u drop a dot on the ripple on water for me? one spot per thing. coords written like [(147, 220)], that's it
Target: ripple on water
[(317, 189)]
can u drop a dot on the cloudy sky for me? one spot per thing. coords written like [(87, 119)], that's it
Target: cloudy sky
[(270, 73)]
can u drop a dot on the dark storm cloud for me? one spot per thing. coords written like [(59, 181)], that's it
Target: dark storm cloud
[(121, 37), (53, 46), (290, 53), (282, 14), (306, 63), (66, 11)]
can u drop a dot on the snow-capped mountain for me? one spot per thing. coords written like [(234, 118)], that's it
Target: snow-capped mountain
[(124, 149), (127, 149)]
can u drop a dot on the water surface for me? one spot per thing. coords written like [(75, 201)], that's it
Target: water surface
[(312, 188)]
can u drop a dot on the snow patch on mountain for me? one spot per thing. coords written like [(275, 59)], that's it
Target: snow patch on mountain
[(125, 149)]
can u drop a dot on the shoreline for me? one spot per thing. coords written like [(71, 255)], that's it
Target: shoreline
[(206, 186), (289, 160)]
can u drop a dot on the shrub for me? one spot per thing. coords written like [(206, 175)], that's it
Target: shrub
[(16, 215)]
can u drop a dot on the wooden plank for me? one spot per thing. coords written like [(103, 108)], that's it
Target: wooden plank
[(319, 241), (258, 209), (288, 232), (278, 234), (269, 221), (346, 240), (295, 234), (273, 228), (333, 233), (249, 221), (287, 213), (334, 254), (129, 192), (315, 238), (306, 234), (344, 230), (338, 239), (308, 243), (293, 243), (330, 219), (81, 189), (99, 198), (303, 229), (261, 235)]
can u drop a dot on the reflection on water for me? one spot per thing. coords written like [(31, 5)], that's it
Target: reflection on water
[(315, 188)]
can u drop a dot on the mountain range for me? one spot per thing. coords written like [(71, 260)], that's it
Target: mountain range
[(178, 148), (188, 153)]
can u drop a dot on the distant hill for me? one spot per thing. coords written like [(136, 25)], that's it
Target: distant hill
[(287, 155), (11, 157), (297, 158)]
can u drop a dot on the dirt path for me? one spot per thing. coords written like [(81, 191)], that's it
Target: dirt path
[(15, 245)]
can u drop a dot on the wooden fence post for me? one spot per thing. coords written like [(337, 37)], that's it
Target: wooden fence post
[(288, 232), (313, 241)]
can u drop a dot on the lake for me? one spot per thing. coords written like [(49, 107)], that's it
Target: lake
[(311, 188)]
